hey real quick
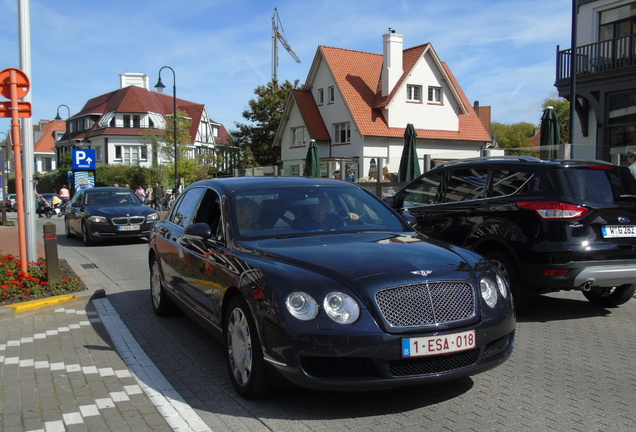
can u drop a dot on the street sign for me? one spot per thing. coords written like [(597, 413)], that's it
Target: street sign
[(69, 177), (83, 159), (84, 180), (24, 109), (21, 80)]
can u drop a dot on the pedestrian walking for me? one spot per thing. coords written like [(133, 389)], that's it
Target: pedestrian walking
[(149, 196), (141, 193), (157, 194)]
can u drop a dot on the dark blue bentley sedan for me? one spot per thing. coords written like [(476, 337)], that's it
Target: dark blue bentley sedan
[(319, 283)]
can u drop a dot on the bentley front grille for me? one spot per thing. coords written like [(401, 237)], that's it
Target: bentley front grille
[(426, 304)]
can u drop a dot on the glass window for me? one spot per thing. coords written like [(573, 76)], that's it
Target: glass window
[(466, 184), (321, 96), (435, 94), (594, 185), (414, 93), (617, 22), (298, 136), (508, 182), (424, 191), (332, 94), (342, 133), (186, 207)]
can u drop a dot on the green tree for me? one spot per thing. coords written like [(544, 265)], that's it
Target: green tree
[(161, 143), (514, 136), (562, 112), (265, 113)]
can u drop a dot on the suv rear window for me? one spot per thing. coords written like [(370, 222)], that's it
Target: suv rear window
[(593, 185)]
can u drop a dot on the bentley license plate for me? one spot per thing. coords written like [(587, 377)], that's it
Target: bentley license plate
[(128, 228), (442, 344), (610, 231)]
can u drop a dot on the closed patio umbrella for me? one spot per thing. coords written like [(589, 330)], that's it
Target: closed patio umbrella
[(550, 133), (312, 161), (409, 164)]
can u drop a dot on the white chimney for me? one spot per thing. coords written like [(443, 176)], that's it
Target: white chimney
[(136, 79), (392, 67)]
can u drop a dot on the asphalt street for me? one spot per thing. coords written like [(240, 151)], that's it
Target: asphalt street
[(110, 364)]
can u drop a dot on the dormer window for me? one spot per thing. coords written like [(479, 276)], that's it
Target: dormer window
[(414, 93), (435, 94)]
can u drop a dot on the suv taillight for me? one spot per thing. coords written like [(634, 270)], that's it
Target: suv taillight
[(553, 209)]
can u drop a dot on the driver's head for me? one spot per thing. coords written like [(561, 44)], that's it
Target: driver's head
[(319, 211)]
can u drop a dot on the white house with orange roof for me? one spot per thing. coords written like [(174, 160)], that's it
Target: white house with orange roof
[(356, 106), (112, 124), (46, 135)]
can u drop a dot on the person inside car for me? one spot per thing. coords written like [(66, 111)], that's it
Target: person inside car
[(319, 217)]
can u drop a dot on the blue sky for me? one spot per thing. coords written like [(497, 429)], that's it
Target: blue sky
[(502, 52)]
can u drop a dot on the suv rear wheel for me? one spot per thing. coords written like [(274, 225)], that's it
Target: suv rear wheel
[(610, 297), (520, 294)]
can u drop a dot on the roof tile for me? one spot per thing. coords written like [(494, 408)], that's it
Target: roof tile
[(358, 77)]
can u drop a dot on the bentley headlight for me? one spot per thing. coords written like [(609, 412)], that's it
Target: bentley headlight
[(488, 292), (152, 217), (502, 285), (98, 219), (341, 308), (302, 306)]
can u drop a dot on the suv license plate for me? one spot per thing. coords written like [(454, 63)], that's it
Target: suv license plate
[(128, 228), (442, 344), (610, 231)]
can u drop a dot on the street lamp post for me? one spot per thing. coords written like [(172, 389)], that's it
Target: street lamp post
[(58, 119), (159, 86)]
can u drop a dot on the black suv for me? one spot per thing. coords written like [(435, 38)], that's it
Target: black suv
[(548, 225)]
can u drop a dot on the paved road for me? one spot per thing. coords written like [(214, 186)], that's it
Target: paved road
[(573, 369)]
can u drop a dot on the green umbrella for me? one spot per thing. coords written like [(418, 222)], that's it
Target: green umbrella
[(550, 133), (312, 161), (409, 164)]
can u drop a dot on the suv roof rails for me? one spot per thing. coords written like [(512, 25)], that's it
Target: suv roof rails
[(520, 158)]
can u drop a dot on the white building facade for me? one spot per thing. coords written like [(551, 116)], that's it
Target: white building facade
[(356, 106), (113, 124)]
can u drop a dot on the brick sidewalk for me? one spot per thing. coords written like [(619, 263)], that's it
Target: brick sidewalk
[(10, 244)]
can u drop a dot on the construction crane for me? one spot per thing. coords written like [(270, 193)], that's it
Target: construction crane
[(278, 34)]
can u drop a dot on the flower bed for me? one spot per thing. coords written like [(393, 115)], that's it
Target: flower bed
[(18, 286)]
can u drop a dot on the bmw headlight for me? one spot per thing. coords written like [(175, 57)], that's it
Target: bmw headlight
[(341, 308), (98, 219), (302, 306), (502, 284), (152, 217), (488, 292)]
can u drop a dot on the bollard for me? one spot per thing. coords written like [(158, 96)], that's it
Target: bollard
[(50, 252)]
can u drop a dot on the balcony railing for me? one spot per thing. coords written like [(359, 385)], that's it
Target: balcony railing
[(598, 57)]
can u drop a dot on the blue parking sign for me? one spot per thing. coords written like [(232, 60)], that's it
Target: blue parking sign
[(83, 159)]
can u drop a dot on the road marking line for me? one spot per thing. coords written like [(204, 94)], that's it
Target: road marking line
[(173, 407)]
